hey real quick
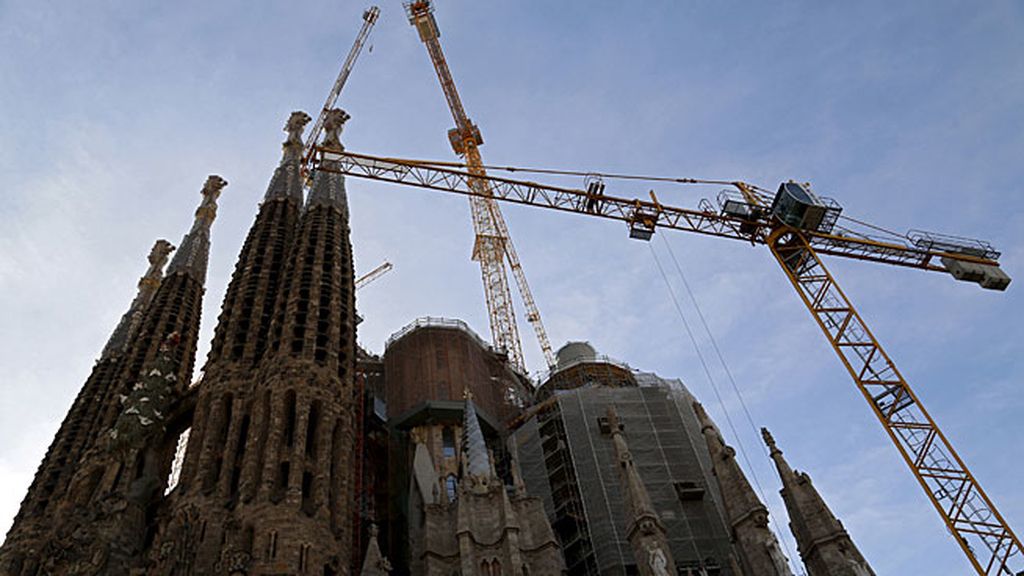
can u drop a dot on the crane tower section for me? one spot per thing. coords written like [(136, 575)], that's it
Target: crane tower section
[(492, 244)]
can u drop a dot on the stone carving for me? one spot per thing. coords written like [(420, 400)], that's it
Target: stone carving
[(176, 552), (234, 562), (211, 192), (656, 559), (295, 126), (146, 405), (334, 121)]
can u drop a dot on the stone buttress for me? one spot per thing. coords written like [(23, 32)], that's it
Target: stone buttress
[(644, 529)]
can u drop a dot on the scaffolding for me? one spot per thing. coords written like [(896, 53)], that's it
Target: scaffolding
[(579, 481)]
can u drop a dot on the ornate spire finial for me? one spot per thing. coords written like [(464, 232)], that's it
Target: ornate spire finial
[(207, 211), (195, 246), (769, 441), (295, 126), (287, 180), (157, 259), (334, 121)]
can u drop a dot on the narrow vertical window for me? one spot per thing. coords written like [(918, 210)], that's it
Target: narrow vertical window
[(452, 487), (448, 442), (289, 418)]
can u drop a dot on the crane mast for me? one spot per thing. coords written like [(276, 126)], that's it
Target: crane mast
[(369, 19), (990, 545), (492, 244)]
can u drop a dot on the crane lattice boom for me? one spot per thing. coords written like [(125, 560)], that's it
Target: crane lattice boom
[(990, 545), (373, 275), (493, 244), (369, 19)]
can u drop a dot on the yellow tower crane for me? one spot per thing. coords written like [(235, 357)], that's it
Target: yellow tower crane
[(798, 227), (493, 244)]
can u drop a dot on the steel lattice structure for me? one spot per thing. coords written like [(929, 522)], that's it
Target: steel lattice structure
[(493, 244)]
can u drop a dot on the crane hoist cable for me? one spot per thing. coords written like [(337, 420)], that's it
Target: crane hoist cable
[(728, 372), (707, 372)]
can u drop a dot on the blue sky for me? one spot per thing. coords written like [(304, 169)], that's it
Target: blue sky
[(909, 114)]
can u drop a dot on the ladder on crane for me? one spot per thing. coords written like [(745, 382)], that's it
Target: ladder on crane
[(493, 244), (797, 227)]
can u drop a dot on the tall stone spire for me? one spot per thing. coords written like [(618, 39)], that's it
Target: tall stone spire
[(644, 529), (329, 186), (148, 285), (748, 516), (477, 462), (824, 545), (251, 298), (195, 246), (176, 307)]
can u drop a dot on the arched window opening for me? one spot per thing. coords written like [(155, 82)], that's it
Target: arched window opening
[(452, 487)]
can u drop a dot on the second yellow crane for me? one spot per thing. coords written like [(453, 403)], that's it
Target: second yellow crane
[(493, 243)]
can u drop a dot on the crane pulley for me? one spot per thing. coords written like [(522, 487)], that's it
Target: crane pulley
[(797, 227)]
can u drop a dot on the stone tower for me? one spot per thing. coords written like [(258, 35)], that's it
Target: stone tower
[(748, 517), (643, 526), (264, 486), (824, 545), (95, 486)]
